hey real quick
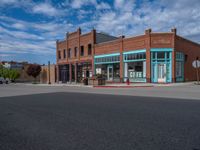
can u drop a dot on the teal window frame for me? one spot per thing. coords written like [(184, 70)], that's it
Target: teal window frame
[(107, 58), (155, 61), (180, 58), (135, 52)]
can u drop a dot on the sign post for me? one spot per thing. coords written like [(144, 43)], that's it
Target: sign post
[(196, 64)]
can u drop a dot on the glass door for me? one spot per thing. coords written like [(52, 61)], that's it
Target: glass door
[(161, 72), (110, 73)]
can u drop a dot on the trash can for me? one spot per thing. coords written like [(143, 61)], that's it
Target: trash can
[(85, 81)]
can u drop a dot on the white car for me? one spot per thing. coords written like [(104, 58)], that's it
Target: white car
[(2, 80)]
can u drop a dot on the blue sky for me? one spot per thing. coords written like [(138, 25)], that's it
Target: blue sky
[(29, 28)]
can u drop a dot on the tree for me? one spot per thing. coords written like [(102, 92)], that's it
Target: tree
[(33, 70), (13, 74), (5, 73)]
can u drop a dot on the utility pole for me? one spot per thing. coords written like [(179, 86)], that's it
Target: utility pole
[(49, 72)]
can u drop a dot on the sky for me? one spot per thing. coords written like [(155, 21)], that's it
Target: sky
[(29, 28)]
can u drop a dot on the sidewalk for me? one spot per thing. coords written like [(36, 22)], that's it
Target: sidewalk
[(113, 85), (134, 85)]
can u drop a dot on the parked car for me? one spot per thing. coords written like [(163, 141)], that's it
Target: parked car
[(2, 80)]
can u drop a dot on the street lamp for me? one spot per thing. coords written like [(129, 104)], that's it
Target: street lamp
[(49, 72)]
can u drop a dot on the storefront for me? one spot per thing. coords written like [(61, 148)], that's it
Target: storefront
[(161, 65), (84, 70), (64, 73), (108, 65), (180, 67), (135, 66)]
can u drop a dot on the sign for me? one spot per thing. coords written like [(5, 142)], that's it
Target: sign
[(196, 64), (98, 70)]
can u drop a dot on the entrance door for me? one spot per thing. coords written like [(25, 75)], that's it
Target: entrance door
[(161, 72), (110, 73)]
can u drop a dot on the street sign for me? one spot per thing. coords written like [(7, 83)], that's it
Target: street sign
[(196, 64)]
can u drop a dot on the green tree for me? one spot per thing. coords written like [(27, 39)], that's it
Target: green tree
[(13, 74), (5, 73), (1, 70)]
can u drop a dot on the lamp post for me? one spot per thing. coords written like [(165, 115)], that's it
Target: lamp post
[(49, 72)]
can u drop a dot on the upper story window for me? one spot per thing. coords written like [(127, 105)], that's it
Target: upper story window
[(89, 49), (69, 53), (75, 52), (82, 50), (59, 55), (64, 53)]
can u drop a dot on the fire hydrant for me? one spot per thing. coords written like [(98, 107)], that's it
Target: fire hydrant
[(127, 81)]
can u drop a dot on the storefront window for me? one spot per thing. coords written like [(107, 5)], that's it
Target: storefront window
[(178, 69), (134, 56), (135, 67), (161, 55), (110, 71), (161, 66), (179, 66), (136, 71)]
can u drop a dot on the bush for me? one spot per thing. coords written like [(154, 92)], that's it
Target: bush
[(10, 74), (13, 75)]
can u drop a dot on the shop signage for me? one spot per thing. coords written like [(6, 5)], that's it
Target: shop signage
[(98, 70)]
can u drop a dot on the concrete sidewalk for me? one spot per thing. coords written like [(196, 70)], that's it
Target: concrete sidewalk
[(181, 91), (124, 85), (112, 85)]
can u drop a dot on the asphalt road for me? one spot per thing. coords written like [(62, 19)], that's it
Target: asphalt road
[(78, 121)]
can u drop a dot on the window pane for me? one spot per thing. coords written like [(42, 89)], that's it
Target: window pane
[(160, 55)]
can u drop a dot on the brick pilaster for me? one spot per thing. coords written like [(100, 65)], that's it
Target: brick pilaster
[(173, 55), (148, 55), (121, 60)]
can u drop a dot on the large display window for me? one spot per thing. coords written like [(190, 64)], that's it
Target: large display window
[(135, 66), (108, 65), (110, 71)]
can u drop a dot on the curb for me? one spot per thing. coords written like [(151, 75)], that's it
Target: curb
[(122, 86)]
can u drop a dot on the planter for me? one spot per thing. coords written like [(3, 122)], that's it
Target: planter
[(99, 81)]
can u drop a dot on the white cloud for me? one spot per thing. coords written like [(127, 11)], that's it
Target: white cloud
[(121, 18), (18, 26), (79, 3), (46, 9), (103, 5), (161, 16), (7, 2), (14, 38)]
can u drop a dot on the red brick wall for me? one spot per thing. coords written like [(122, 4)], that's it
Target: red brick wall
[(134, 43), (60, 47), (192, 50), (75, 39), (161, 40), (108, 47)]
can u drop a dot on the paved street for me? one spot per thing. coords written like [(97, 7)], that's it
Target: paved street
[(82, 121)]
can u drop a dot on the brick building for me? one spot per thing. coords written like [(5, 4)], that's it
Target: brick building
[(152, 57)]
